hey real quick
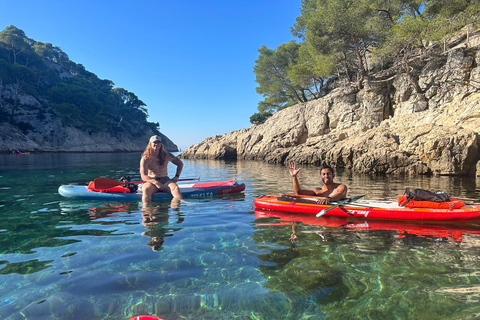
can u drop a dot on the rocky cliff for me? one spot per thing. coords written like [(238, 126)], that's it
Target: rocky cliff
[(41, 131), (50, 103), (386, 127)]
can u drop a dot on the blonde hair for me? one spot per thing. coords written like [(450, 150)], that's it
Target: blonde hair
[(149, 154)]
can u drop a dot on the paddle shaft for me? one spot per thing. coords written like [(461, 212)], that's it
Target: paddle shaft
[(105, 183), (301, 196), (338, 204)]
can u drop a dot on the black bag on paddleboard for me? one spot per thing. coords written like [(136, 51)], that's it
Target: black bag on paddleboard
[(425, 195), (132, 187)]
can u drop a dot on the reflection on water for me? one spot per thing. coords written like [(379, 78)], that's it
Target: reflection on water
[(379, 273), (155, 218), (218, 258), (428, 230)]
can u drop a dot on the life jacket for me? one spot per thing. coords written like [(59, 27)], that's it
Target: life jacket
[(419, 198), (451, 204), (117, 189)]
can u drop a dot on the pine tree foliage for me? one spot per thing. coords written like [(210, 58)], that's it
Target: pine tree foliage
[(336, 36)]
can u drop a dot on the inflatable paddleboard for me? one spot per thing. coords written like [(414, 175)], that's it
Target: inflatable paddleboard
[(367, 209), (193, 190)]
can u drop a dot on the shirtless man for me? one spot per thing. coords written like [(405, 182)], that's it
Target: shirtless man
[(154, 171), (329, 192)]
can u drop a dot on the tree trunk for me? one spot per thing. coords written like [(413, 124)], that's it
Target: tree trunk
[(294, 93), (414, 82), (305, 99), (361, 69)]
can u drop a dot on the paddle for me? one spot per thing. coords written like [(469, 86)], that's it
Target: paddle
[(301, 196), (105, 183), (338, 204)]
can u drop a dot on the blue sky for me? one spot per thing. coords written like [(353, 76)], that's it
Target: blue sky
[(191, 61)]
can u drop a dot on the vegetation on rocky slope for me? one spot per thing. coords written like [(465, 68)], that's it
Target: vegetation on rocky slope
[(63, 90), (352, 41)]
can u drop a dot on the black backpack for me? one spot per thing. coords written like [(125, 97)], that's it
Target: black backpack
[(132, 187), (425, 195)]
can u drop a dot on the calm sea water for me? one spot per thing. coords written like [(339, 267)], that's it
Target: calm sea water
[(218, 258)]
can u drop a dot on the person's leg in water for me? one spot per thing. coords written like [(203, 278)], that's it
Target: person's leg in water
[(148, 189), (177, 195), (174, 189)]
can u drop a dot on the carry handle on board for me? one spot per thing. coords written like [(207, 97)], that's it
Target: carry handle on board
[(105, 183), (338, 204)]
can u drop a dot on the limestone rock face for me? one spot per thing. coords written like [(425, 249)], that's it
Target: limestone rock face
[(386, 127), (44, 133)]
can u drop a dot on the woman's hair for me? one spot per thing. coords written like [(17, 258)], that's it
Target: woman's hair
[(162, 155)]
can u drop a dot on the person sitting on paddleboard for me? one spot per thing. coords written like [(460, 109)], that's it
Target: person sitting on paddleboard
[(154, 171), (330, 191)]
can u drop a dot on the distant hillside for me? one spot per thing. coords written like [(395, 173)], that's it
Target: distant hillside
[(50, 103)]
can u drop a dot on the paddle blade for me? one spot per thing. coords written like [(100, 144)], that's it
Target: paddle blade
[(105, 183), (321, 213)]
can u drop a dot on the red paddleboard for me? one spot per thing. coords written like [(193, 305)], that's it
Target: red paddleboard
[(145, 318), (366, 209)]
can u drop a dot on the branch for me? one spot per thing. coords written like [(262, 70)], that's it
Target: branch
[(384, 80)]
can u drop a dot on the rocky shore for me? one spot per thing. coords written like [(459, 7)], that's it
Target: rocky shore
[(387, 127), (69, 139)]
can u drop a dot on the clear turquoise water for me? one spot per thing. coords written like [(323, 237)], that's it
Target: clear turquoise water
[(215, 258)]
